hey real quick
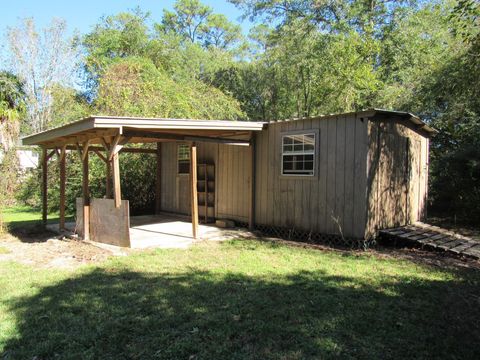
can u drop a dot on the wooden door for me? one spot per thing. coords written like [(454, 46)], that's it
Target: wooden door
[(183, 194)]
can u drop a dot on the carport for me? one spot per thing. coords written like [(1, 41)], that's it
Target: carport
[(108, 220)]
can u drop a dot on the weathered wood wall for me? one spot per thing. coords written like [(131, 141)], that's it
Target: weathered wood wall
[(333, 201), (365, 177), (397, 174), (231, 180)]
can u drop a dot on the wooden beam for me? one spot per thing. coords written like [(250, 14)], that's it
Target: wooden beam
[(117, 193), (53, 152), (153, 135), (113, 145), (44, 185), (100, 155), (123, 150), (193, 183), (85, 146), (106, 144), (117, 145), (179, 137), (251, 187), (108, 168), (218, 140), (86, 196), (158, 182), (63, 180)]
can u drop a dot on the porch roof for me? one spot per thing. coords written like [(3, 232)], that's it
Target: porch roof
[(142, 130)]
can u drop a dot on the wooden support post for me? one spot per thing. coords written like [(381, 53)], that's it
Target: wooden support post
[(113, 148), (44, 185), (193, 183), (158, 182), (108, 180), (251, 185), (117, 193), (63, 179), (108, 168), (86, 193)]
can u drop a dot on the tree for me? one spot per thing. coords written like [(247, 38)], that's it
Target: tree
[(11, 110), (116, 36), (136, 87), (68, 105), (221, 33), (197, 23), (188, 19), (41, 60), (451, 98), (12, 107)]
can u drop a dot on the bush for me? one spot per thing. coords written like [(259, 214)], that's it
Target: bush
[(137, 182), (9, 170)]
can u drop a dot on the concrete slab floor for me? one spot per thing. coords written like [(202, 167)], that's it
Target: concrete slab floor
[(168, 231)]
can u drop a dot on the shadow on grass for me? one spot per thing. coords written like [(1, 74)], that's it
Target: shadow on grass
[(31, 231), (203, 315)]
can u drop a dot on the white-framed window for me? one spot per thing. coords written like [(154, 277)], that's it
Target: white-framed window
[(183, 159), (298, 154)]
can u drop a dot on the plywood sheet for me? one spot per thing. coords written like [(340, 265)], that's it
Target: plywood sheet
[(108, 224)]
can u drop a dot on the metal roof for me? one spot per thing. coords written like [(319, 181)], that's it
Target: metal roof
[(371, 113), (97, 123), (94, 123)]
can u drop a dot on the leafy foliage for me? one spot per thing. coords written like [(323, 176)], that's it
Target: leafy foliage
[(12, 107), (136, 86)]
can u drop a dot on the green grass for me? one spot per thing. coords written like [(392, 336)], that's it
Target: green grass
[(20, 216), (240, 300)]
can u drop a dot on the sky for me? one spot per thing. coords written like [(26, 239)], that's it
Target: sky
[(83, 15)]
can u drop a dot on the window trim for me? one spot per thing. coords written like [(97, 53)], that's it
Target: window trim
[(178, 160), (316, 134)]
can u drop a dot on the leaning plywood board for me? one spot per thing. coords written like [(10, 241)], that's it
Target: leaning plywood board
[(108, 224)]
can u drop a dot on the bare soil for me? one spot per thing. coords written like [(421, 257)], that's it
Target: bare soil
[(469, 230), (48, 251), (416, 255)]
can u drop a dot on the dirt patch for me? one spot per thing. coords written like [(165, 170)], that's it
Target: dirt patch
[(468, 230), (47, 251), (435, 258), (416, 255)]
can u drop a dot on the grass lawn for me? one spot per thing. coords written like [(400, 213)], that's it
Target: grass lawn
[(20, 216), (240, 300)]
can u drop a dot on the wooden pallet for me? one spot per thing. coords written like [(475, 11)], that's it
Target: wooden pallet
[(434, 237)]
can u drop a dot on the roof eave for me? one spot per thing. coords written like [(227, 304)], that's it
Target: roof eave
[(112, 122)]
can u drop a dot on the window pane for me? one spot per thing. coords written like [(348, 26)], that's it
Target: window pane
[(298, 139), (298, 154), (183, 158), (287, 140), (287, 148)]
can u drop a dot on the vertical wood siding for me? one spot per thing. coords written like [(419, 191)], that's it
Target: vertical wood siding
[(232, 182), (232, 174), (397, 175), (334, 200), (369, 175)]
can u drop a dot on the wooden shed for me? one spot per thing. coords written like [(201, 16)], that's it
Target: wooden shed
[(341, 176)]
